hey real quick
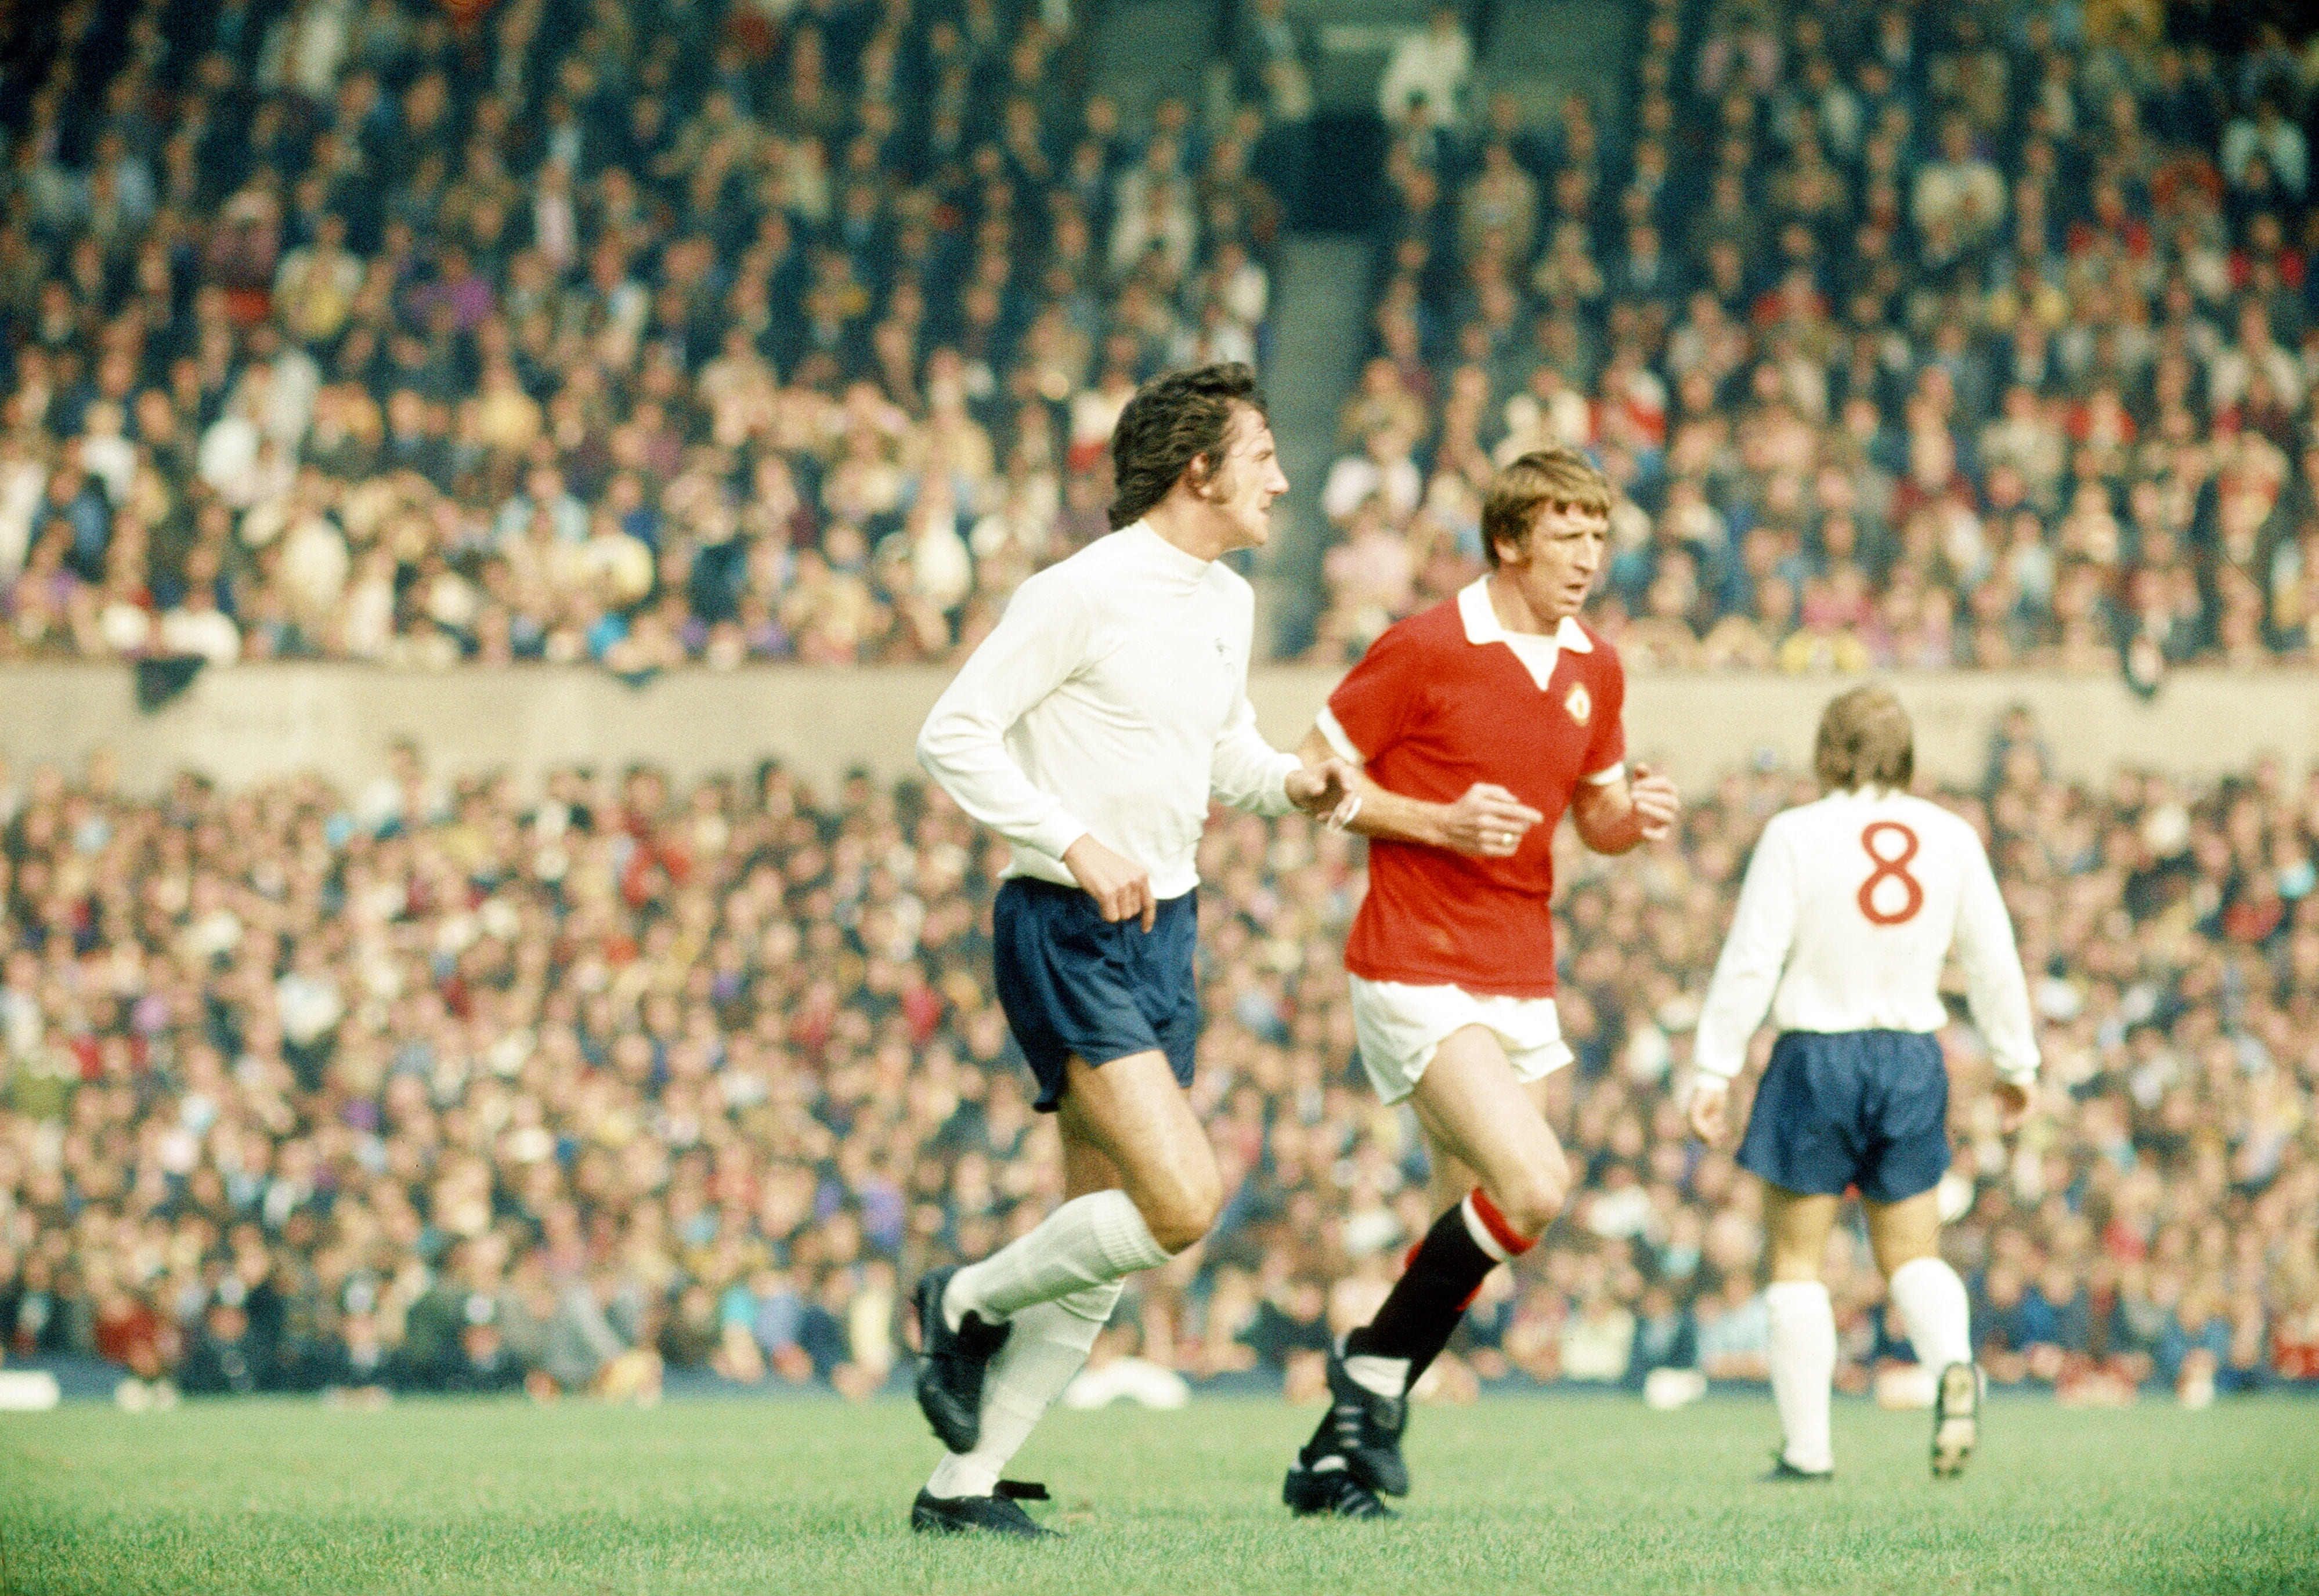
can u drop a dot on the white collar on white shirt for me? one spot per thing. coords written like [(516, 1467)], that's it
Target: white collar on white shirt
[(1537, 651), (1177, 562)]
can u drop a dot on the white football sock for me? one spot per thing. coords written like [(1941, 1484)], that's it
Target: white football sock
[(1045, 1348), (1803, 1366), (1387, 1376), (1932, 1303), (1090, 1240)]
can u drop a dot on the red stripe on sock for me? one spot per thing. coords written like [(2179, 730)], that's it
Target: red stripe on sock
[(1410, 1257), (1503, 1234)]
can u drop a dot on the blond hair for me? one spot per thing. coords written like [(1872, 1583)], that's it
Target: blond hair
[(1560, 477), (1865, 740)]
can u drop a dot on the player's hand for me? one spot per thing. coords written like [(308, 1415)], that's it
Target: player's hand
[(1121, 887), (1710, 1102), (2012, 1105), (1657, 803), (1488, 822), (1323, 790)]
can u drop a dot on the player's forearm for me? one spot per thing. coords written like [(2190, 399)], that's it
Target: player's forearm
[(972, 765), (1036, 645), (1606, 820), (1380, 813), (1397, 818), (1748, 972), (1249, 772), (1737, 998), (2000, 1002), (1996, 989), (1621, 836), (963, 747), (1259, 786)]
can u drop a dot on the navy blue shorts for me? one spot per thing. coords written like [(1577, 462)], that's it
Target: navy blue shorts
[(1864, 1108), (1076, 985)]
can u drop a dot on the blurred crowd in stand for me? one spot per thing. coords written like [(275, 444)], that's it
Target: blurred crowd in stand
[(644, 333), (441, 1086), (670, 333), (1972, 333)]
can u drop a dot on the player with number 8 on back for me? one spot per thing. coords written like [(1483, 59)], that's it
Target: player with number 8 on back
[(1849, 909)]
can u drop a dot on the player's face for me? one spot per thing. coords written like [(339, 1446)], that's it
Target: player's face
[(1244, 488), (1567, 549)]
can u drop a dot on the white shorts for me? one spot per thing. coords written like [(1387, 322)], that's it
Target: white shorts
[(1400, 1027)]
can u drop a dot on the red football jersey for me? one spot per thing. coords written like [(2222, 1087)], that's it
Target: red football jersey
[(1444, 699)]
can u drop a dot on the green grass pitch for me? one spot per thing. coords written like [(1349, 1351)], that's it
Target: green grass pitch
[(1518, 1494)]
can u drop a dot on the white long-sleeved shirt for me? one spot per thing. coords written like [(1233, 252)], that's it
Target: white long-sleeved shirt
[(1111, 699), (1849, 908)]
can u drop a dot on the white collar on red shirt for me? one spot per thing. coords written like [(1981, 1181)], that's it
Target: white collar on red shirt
[(1537, 651)]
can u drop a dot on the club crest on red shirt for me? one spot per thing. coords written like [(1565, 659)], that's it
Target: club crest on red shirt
[(1580, 703)]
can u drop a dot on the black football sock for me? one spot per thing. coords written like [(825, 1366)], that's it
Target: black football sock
[(1423, 1309)]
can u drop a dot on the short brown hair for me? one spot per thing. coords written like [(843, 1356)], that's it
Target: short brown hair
[(1560, 477), (1170, 423), (1865, 740)]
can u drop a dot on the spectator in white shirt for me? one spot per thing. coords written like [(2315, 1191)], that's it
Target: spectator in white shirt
[(197, 627), (1962, 191), (23, 483), (2256, 351), (315, 286), (2278, 141), (1383, 469), (1432, 66), (110, 457)]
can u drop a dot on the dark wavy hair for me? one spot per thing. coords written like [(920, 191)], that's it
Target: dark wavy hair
[(1172, 421)]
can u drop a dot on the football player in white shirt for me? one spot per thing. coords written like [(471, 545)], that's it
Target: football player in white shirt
[(1091, 729), (1849, 908)]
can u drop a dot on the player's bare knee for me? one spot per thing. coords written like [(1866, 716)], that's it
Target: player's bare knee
[(1178, 1225), (1553, 1178), (1533, 1196), (1891, 1257), (1183, 1208)]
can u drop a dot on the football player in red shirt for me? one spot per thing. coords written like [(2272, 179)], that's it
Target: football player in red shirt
[(1478, 724)]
